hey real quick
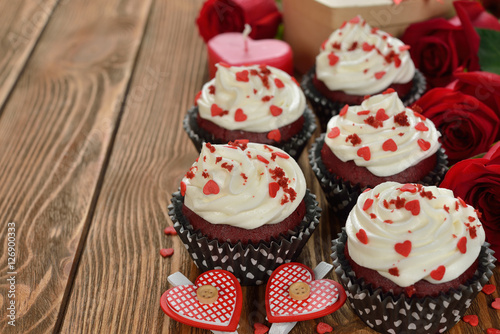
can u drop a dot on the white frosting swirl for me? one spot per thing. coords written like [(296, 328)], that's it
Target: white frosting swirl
[(267, 98), (436, 242), (412, 142), (244, 178), (360, 60)]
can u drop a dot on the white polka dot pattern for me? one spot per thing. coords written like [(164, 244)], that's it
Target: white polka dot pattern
[(183, 301)]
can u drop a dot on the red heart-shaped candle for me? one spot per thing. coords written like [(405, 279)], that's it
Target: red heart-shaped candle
[(181, 304), (230, 48), (326, 296)]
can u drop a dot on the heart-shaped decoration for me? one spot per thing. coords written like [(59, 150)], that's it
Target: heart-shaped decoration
[(413, 207), (496, 304), (326, 296), (438, 273), (390, 145), (424, 144), (489, 289), (211, 188), (230, 48), (364, 153), (471, 319), (240, 116), (181, 303), (274, 135), (403, 248)]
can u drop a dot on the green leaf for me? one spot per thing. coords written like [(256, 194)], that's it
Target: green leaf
[(489, 50)]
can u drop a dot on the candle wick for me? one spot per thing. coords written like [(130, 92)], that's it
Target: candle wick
[(246, 32)]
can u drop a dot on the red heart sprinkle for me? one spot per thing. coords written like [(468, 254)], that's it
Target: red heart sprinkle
[(215, 110), (334, 132), (403, 248), (389, 91), (260, 328), (166, 252), (409, 187), (361, 235), (273, 189), (242, 76), (364, 153), (282, 155), (196, 98), (170, 230), (462, 245), (333, 59), (489, 289), (421, 127), (471, 319), (183, 188), (262, 159), (211, 187), (239, 115), (274, 135), (278, 83), (379, 75), (413, 207), (381, 115), (438, 273), (296, 82), (354, 20), (496, 304), (492, 331), (404, 48), (323, 45), (367, 204), (390, 145), (363, 112), (368, 47), (323, 328), (223, 64), (394, 271), (275, 111), (344, 110), (388, 221), (424, 145)]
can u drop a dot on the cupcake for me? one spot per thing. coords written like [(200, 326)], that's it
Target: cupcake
[(377, 141), (260, 103), (358, 60), (244, 207), (412, 258)]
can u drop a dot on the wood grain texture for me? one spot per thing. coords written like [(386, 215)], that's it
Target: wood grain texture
[(121, 275), (55, 134), (22, 24)]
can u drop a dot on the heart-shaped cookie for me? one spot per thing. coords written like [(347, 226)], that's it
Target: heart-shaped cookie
[(181, 302), (326, 296)]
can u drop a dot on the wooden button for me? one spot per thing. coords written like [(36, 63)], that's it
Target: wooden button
[(207, 294), (299, 290)]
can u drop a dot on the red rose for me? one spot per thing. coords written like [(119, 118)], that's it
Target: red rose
[(477, 182), (484, 86), (218, 16), (468, 126), (439, 46)]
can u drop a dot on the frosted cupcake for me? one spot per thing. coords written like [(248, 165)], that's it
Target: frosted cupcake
[(377, 141), (244, 207), (358, 60), (260, 103), (412, 258)]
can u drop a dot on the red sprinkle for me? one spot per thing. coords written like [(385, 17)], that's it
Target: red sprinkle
[(211, 187), (403, 248), (361, 235), (323, 328), (170, 231), (388, 221), (261, 158), (389, 91), (462, 245), (492, 331), (210, 147), (239, 115), (368, 47), (183, 188), (462, 202), (354, 20), (438, 273), (421, 127), (242, 76), (409, 187), (368, 204), (390, 145), (446, 208), (363, 112), (166, 252), (381, 115), (260, 328), (489, 289), (333, 59), (394, 271), (364, 153), (274, 135), (403, 48), (424, 145), (275, 111), (344, 110), (471, 319), (215, 110), (273, 189), (373, 216), (496, 304), (413, 207), (227, 166), (334, 132), (379, 75), (196, 98), (278, 83), (401, 119)]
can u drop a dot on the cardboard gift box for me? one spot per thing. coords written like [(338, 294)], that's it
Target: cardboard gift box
[(309, 22)]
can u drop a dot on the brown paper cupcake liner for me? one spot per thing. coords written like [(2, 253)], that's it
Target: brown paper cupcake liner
[(325, 108), (251, 264), (387, 313), (294, 146), (342, 194)]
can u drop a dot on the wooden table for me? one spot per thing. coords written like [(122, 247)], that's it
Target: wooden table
[(92, 97)]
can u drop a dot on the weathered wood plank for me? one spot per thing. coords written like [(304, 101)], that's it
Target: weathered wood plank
[(55, 135), (121, 275), (22, 24)]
